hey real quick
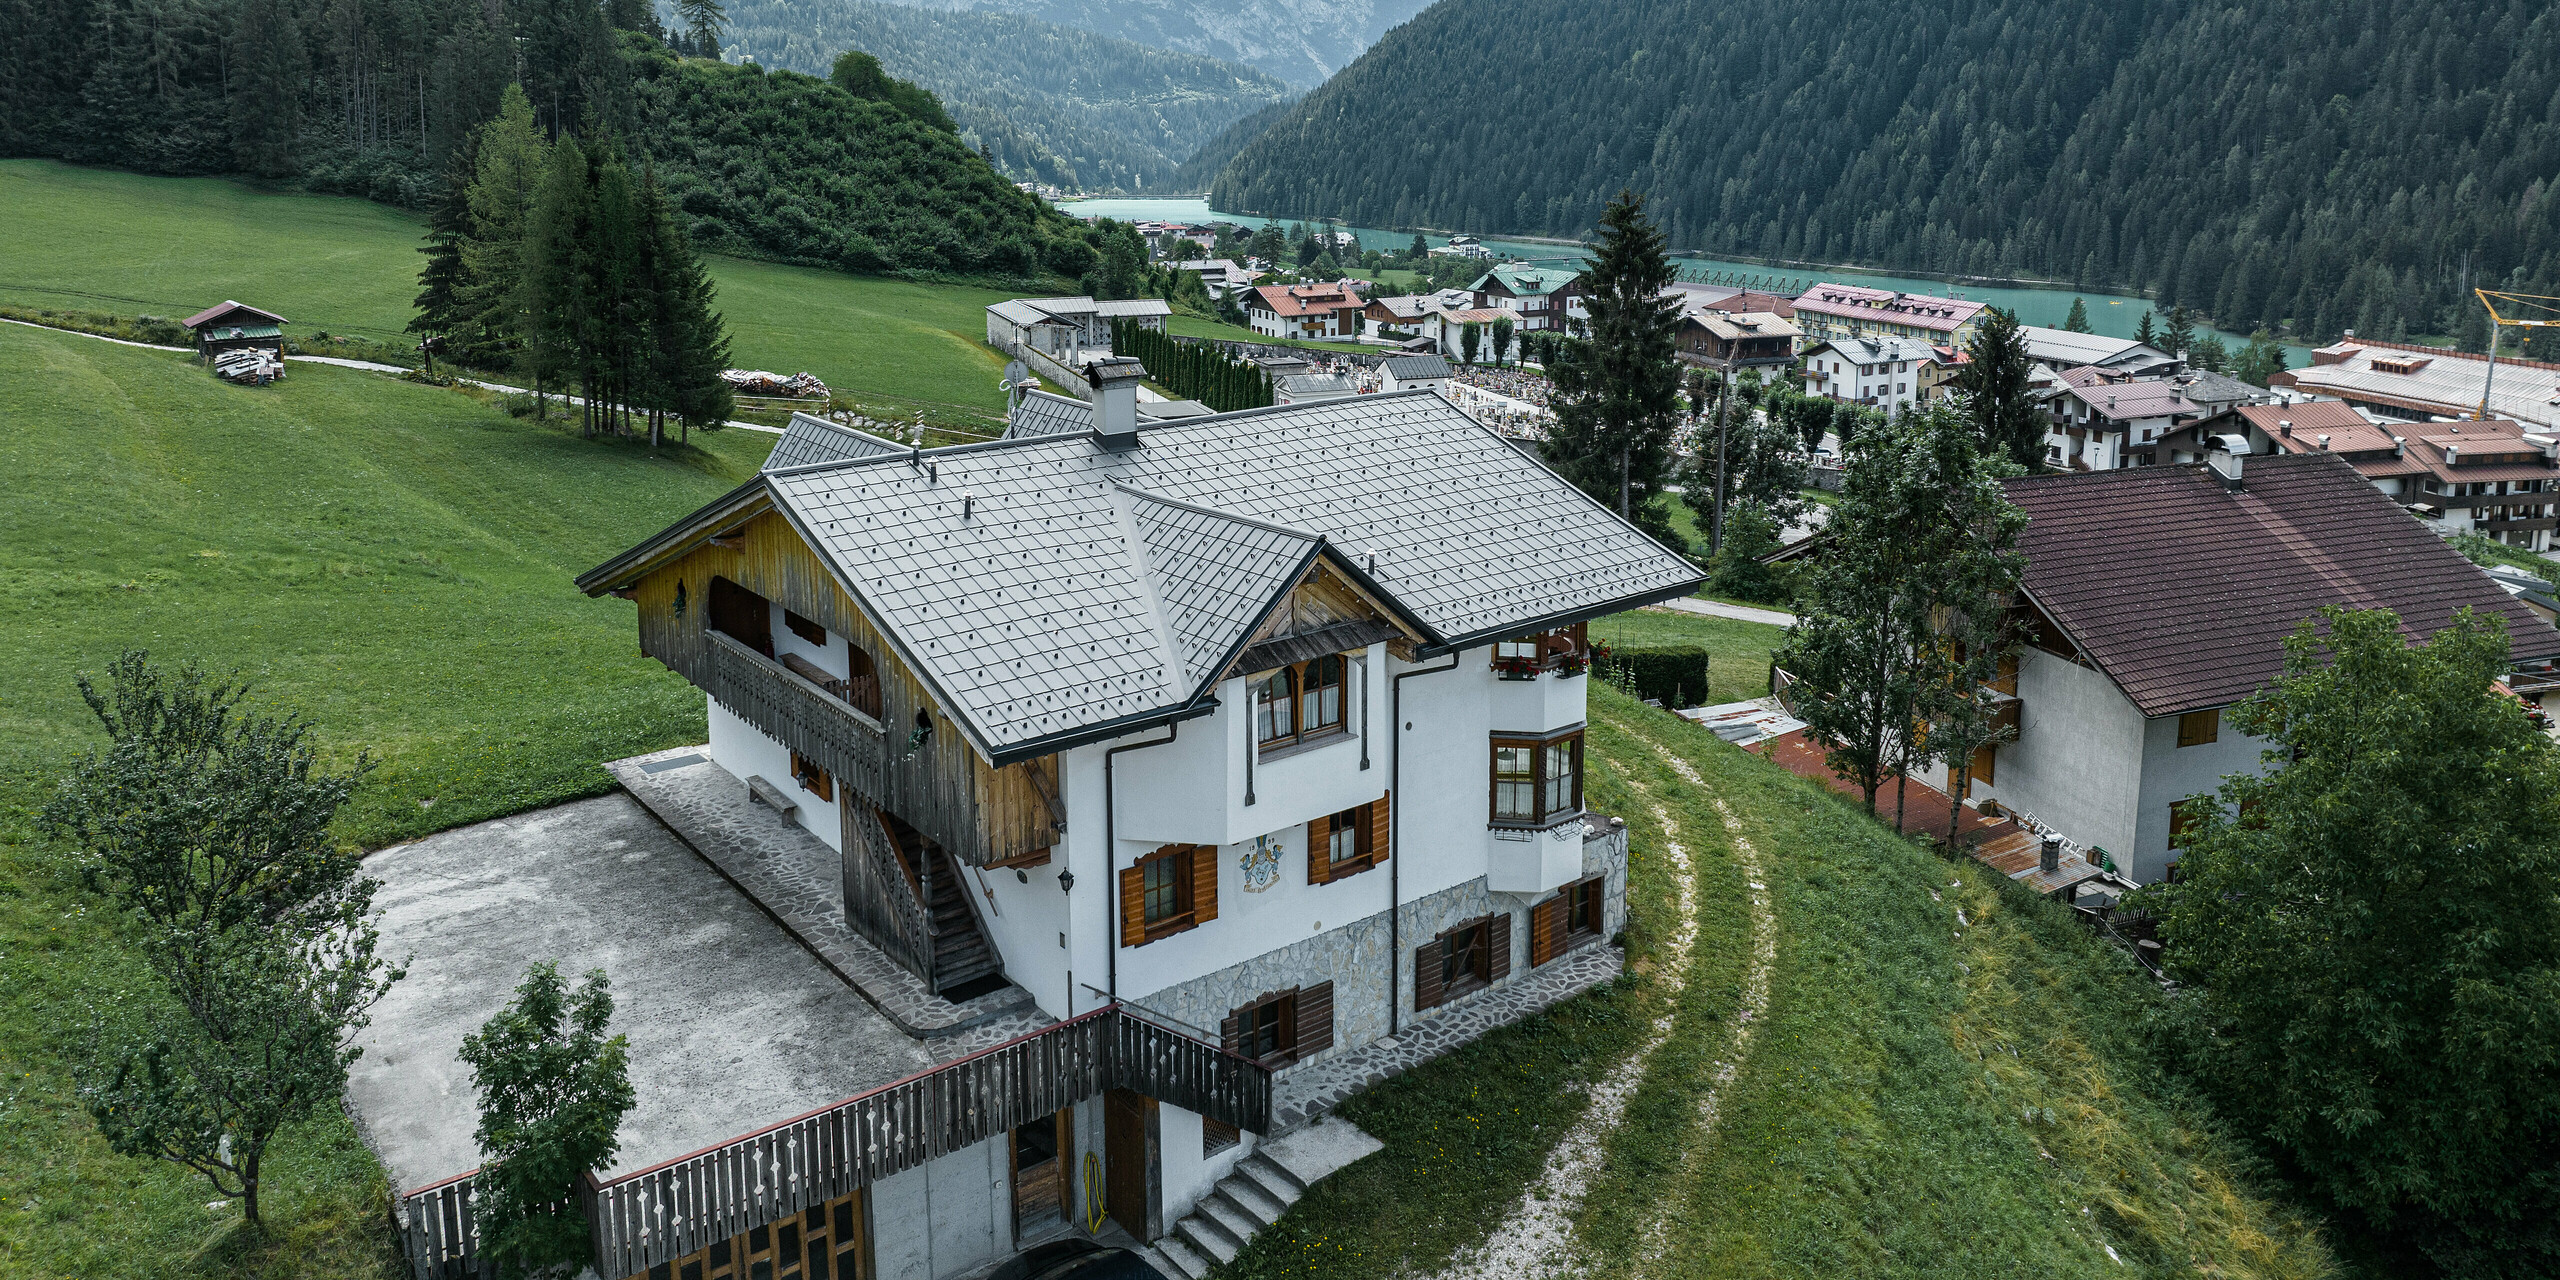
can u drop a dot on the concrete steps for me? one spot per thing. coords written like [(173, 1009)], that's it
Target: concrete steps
[(1261, 1188)]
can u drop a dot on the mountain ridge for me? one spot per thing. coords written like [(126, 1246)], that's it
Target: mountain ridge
[(2297, 163)]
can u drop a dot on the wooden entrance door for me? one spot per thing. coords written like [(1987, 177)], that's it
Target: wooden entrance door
[(1128, 1147), (1041, 1157)]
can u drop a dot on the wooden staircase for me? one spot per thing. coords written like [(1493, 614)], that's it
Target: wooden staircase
[(961, 952)]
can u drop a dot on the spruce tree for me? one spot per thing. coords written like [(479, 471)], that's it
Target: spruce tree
[(689, 345), (2146, 333), (2078, 320), (1993, 384), (1617, 393), (443, 282), (553, 300), (507, 168), (2181, 333)]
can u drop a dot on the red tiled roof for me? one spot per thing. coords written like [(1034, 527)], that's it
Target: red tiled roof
[(2200, 620), (1305, 299)]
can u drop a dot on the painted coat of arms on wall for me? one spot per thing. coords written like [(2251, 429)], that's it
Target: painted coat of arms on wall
[(1260, 863)]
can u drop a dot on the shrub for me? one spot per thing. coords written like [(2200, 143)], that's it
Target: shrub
[(1675, 674)]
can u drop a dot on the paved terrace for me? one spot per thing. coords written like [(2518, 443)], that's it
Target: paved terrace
[(733, 1025)]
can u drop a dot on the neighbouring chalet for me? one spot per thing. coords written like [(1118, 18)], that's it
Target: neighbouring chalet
[(2464, 477), (1537, 296), (1237, 744), (1066, 329), (1832, 311), (2097, 420), (235, 326), (1305, 310), (2121, 695), (1880, 373), (1728, 341)]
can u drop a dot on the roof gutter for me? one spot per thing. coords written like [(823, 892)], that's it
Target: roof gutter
[(1564, 619)]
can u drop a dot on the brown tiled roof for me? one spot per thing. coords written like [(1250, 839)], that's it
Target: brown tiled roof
[(2200, 619), (223, 309)]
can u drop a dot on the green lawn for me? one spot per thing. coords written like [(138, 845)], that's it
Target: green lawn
[(1194, 327), (1737, 652), (1925, 1098), (394, 560), (101, 240)]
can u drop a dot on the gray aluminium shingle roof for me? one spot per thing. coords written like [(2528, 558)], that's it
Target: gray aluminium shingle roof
[(1021, 580), (1042, 413), (810, 439), (1415, 368)]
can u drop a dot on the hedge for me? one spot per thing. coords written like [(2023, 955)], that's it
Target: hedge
[(1675, 674)]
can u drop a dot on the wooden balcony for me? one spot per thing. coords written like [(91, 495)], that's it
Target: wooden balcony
[(663, 1213), (941, 788)]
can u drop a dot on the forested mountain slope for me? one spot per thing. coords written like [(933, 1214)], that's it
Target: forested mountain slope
[(1300, 41), (2331, 163), (1048, 102), (1202, 167), (373, 97)]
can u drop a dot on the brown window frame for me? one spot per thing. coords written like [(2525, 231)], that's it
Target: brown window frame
[(1291, 705), (1370, 834), (812, 779), (1193, 869), (1569, 920), (1299, 1022), (2200, 728), (1545, 809), (1486, 960)]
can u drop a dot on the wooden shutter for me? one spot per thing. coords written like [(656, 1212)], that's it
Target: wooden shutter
[(1497, 932), (1546, 928), (1230, 1031), (1380, 830), (1315, 1019), (1426, 975), (1320, 850), (1133, 906), (1204, 883)]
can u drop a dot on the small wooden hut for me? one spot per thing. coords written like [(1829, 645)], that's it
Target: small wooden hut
[(232, 326)]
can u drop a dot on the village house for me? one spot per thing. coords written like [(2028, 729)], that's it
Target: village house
[(1938, 376), (1418, 372), (236, 326), (2121, 695), (1880, 373), (2060, 349), (1836, 311), (1447, 330), (2488, 477), (1538, 296), (1732, 341), (1239, 757), (2413, 383), (1220, 276), (2099, 421), (1694, 295), (1305, 310), (1068, 330)]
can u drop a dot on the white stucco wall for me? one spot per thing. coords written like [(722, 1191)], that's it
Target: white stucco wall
[(2171, 773), (2077, 763), (947, 1217), (745, 751), (1188, 1175)]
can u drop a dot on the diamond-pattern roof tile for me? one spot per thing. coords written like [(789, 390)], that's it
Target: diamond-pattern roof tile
[(1047, 585)]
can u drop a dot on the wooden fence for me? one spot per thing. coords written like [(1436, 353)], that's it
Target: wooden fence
[(663, 1213)]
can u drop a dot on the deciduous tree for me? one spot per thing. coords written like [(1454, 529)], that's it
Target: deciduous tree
[(2370, 932), (553, 1090)]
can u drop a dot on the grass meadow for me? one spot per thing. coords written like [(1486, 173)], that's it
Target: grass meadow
[(393, 560), (1926, 1098)]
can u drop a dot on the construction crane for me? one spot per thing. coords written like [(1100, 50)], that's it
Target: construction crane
[(2532, 311)]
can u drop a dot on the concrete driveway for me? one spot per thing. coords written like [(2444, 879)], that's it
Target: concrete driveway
[(733, 1025)]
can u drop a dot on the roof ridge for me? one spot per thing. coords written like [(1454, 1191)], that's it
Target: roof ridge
[(1219, 512)]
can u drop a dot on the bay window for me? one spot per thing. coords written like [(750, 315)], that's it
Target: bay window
[(1537, 781)]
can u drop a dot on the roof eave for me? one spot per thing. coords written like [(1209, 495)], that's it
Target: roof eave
[(639, 561), (1564, 618)]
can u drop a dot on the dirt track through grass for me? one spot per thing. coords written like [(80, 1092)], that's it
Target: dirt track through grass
[(1755, 1006), (1536, 1240)]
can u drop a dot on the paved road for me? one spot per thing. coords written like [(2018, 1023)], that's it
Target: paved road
[(1742, 612)]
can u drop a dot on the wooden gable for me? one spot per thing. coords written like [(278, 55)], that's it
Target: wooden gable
[(941, 785)]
